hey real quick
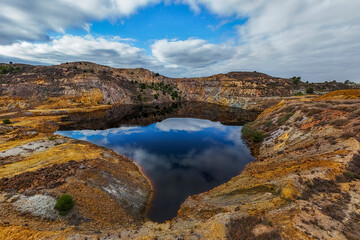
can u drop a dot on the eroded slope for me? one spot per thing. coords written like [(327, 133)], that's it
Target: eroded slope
[(304, 185), (37, 167), (79, 83)]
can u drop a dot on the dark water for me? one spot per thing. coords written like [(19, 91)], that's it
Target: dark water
[(181, 156)]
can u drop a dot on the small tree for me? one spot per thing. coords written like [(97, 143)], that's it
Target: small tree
[(6, 121), (258, 137), (296, 80), (64, 204), (142, 86), (310, 90)]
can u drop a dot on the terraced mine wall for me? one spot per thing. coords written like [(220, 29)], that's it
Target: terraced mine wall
[(81, 83), (304, 184)]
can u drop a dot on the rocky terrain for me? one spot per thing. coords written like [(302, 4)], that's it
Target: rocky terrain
[(144, 115), (303, 185), (79, 84), (36, 167)]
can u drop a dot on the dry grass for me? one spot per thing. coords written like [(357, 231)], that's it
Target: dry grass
[(242, 229), (343, 94), (348, 134), (319, 185), (339, 123), (310, 111), (345, 107), (355, 114)]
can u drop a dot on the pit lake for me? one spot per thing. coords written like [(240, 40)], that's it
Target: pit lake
[(180, 156)]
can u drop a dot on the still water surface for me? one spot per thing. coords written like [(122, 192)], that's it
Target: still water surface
[(181, 156)]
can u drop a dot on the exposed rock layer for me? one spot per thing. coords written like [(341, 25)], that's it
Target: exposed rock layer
[(37, 167), (83, 82), (304, 184)]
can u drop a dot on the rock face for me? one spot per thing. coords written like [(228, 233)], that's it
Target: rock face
[(37, 167), (237, 89), (82, 83), (304, 184), (144, 115)]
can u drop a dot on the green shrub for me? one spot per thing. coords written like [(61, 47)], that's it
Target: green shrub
[(268, 123), (284, 118), (174, 95), (6, 121), (142, 86), (299, 94), (310, 90), (349, 175), (252, 134), (52, 138), (296, 80), (9, 69), (258, 137), (64, 204)]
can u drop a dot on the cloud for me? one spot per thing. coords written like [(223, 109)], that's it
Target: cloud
[(105, 133), (112, 51), (32, 20), (315, 39), (194, 53), (187, 124), (226, 7)]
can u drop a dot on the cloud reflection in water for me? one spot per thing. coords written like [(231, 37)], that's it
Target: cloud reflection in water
[(181, 156)]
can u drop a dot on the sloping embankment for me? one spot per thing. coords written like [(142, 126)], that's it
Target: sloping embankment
[(36, 167), (304, 185)]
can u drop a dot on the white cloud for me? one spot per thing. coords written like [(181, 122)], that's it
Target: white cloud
[(316, 39), (192, 53), (101, 50), (226, 7), (105, 133), (187, 124), (32, 20)]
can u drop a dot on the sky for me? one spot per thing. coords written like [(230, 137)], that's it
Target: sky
[(318, 40)]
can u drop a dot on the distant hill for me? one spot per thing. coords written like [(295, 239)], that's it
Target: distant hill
[(97, 84)]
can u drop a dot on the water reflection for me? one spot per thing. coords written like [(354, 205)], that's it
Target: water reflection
[(148, 114), (181, 156)]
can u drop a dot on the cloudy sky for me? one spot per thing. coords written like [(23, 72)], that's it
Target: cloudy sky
[(316, 39)]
